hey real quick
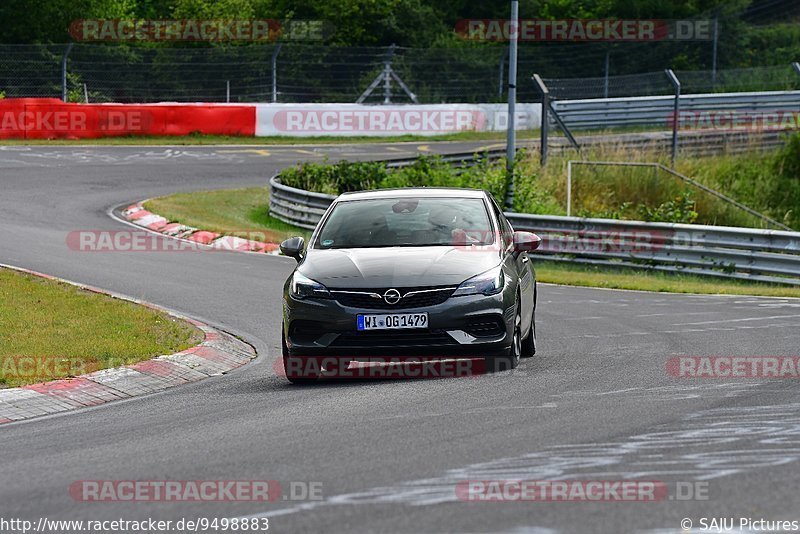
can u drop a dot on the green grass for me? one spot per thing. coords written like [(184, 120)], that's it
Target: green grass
[(202, 139), (240, 212), (273, 140), (52, 330), (592, 276), (766, 181)]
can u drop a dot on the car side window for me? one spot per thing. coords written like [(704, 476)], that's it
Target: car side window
[(505, 228)]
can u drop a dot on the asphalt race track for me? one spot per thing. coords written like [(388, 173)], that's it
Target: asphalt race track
[(596, 404)]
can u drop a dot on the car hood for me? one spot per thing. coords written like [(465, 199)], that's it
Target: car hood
[(367, 268)]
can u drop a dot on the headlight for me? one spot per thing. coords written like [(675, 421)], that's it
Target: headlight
[(490, 282), (303, 287)]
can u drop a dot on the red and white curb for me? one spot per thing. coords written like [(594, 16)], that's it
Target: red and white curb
[(139, 216), (219, 353)]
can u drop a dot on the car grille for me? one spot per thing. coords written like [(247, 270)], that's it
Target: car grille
[(393, 339), (364, 298)]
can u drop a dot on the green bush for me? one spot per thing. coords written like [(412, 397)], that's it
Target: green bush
[(766, 182), (681, 209), (786, 195), (334, 179), (427, 171)]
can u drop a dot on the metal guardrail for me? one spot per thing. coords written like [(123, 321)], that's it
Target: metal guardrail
[(728, 252), (659, 110), (693, 143), (297, 206), (703, 143)]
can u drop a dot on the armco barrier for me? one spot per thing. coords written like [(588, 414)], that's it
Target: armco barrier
[(49, 118), (658, 110), (743, 253)]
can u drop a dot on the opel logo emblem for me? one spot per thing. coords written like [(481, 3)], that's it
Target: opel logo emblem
[(392, 296)]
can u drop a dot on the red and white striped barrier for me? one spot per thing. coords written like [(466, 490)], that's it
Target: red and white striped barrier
[(49, 118), (343, 120)]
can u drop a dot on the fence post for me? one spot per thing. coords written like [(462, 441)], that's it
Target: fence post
[(227, 91), (64, 72), (569, 188), (387, 75), (676, 84), (796, 66), (275, 72), (503, 57), (545, 117), (605, 79), (714, 51), (511, 133)]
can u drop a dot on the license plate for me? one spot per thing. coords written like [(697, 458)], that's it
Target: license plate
[(391, 321)]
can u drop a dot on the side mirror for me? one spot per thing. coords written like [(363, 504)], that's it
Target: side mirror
[(526, 242), (293, 247)]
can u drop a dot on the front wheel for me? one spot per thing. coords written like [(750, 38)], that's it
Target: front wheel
[(529, 345), (509, 361), (295, 369)]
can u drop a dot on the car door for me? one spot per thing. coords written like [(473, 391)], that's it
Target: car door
[(523, 267)]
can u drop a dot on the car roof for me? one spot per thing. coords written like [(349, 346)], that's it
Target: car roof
[(448, 192)]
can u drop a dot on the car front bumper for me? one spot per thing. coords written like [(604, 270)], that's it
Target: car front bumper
[(462, 327)]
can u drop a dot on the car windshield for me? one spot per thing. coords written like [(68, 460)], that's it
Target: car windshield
[(406, 222)]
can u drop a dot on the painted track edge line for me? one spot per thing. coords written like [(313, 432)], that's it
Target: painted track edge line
[(726, 295), (220, 352)]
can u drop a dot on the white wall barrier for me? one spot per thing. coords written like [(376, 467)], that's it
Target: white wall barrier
[(311, 120)]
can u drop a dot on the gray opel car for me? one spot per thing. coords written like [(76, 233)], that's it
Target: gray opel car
[(418, 272)]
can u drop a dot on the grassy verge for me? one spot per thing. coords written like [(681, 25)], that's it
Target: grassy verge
[(766, 181), (199, 139), (273, 140), (591, 276), (239, 211), (52, 330)]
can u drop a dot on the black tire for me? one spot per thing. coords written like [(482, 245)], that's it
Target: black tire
[(529, 344), (291, 363), (509, 361)]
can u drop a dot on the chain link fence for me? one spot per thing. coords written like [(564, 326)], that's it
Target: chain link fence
[(31, 70), (776, 78), (292, 72)]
